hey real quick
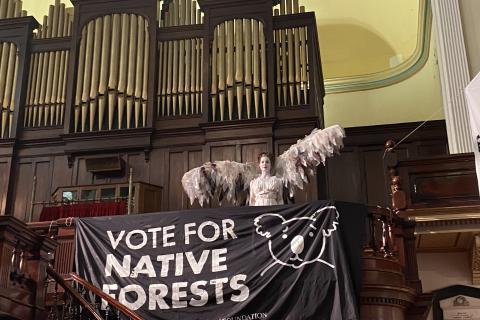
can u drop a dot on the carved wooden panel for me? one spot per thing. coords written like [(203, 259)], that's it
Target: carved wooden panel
[(6, 256), (223, 153), (453, 185), (23, 190), (4, 174), (176, 163), (42, 189), (61, 173), (345, 180), (250, 152)]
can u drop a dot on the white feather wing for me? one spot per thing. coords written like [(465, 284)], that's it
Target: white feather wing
[(300, 160), (219, 178)]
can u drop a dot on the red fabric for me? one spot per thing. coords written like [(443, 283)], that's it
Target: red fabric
[(86, 209)]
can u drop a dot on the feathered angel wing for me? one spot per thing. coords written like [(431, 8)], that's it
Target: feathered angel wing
[(294, 165), (219, 178)]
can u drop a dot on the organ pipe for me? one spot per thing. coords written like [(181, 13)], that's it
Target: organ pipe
[(112, 82), (239, 69)]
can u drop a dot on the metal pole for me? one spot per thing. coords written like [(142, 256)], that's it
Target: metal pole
[(32, 199), (130, 189)]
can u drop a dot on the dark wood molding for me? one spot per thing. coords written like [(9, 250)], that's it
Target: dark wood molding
[(51, 44)]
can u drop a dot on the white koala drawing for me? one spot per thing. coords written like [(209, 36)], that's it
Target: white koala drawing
[(300, 235)]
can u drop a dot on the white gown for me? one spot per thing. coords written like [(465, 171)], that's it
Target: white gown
[(266, 191)]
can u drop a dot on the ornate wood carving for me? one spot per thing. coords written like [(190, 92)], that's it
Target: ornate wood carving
[(476, 261)]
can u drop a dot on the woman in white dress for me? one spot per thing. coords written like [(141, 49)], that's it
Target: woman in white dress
[(266, 190), (230, 180)]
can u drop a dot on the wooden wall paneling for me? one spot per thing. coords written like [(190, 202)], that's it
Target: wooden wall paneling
[(176, 166), (251, 151), (4, 177), (23, 189), (83, 177), (375, 178), (141, 168), (61, 173), (219, 153), (159, 173), (345, 177), (42, 170)]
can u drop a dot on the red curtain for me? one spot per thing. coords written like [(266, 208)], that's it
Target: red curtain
[(86, 209)]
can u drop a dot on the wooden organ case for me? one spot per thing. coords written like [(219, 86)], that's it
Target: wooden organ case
[(164, 85)]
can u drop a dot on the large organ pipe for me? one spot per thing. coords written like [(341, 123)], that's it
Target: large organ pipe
[(159, 83), (256, 67), (61, 20), (193, 57), (3, 75), (230, 67), (263, 68), (43, 87), (175, 76), (64, 86), (38, 80), (55, 87), (30, 91), (139, 68), (221, 70), (50, 27), (214, 76), (188, 66), (80, 75), (278, 62), (58, 84), (198, 80), (296, 39), (132, 56), (284, 58), (146, 59), (200, 72), (12, 95), (113, 82), (122, 82), (166, 46), (291, 61), (11, 9), (303, 56), (169, 75), (18, 9), (97, 50), (48, 92), (87, 80), (239, 76), (181, 75), (103, 81), (3, 9), (56, 14), (248, 64)]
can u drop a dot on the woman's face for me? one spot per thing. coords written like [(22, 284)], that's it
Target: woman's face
[(265, 164)]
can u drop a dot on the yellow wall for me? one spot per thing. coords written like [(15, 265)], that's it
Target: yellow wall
[(39, 8), (414, 99), (362, 37)]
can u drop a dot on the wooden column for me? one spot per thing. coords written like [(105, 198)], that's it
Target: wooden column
[(19, 32), (25, 256)]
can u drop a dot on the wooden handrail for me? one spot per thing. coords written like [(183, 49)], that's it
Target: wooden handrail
[(77, 296), (129, 313)]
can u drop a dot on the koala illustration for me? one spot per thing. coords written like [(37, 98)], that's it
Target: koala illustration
[(298, 241)]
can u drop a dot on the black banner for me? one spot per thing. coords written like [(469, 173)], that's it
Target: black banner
[(243, 263)]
